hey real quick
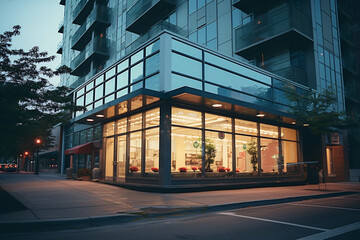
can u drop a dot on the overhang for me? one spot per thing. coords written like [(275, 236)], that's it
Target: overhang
[(81, 149)]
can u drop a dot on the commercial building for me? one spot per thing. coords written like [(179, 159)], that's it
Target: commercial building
[(195, 92)]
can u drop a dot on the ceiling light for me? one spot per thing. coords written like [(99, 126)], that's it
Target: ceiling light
[(293, 123), (260, 115), (100, 115), (217, 105), (89, 120), (306, 124)]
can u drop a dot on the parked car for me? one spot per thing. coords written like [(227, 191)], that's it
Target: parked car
[(11, 167), (3, 166)]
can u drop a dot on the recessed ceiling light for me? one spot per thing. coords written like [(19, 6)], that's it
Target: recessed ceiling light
[(217, 105), (260, 115), (100, 115), (89, 120), (293, 123), (306, 124)]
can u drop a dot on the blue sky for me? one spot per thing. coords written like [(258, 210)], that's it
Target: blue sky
[(39, 21)]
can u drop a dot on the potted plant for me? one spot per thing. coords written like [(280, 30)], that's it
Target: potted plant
[(210, 154), (194, 168), (221, 169), (133, 169), (154, 169), (183, 169), (252, 150), (84, 174)]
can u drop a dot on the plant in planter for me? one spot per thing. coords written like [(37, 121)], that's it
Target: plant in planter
[(154, 169), (183, 169), (84, 174), (210, 154), (252, 150), (134, 169)]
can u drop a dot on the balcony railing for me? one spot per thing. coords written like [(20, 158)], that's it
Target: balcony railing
[(145, 13), (98, 47), (98, 19), (60, 47), (292, 73), (61, 26), (286, 22), (155, 29), (81, 11)]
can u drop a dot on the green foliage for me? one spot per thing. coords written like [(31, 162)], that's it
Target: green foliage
[(317, 109), (210, 154), (252, 150), (84, 172), (29, 104)]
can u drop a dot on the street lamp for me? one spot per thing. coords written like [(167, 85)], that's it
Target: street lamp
[(38, 142)]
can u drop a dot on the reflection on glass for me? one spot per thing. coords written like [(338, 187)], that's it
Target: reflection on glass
[(186, 117), (186, 49), (152, 118), (152, 64), (121, 125), (110, 86), (136, 86), (288, 134), (99, 92), (186, 65), (185, 150), (109, 129), (246, 154), (136, 72), (109, 98), (109, 158), (152, 48), (135, 122), (80, 92), (216, 122), (122, 93), (218, 149), (121, 156), (110, 73), (290, 153), (153, 83), (99, 80), (178, 81), (135, 152), (89, 98), (152, 150), (246, 127), (122, 79), (270, 162), (90, 86), (269, 131), (123, 65), (80, 101), (137, 57)]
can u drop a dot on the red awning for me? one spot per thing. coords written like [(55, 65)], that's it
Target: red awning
[(81, 149)]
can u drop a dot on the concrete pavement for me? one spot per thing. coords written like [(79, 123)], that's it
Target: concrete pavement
[(55, 202)]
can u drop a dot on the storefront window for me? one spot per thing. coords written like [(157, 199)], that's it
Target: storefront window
[(246, 127), (109, 158), (135, 152), (185, 150), (152, 151), (109, 129), (186, 117), (121, 125), (246, 154), (288, 134), (218, 150), (135, 122), (121, 156), (216, 122), (152, 118), (269, 131), (270, 162), (290, 153)]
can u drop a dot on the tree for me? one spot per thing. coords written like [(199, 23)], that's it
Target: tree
[(210, 154), (29, 105), (252, 150), (317, 110)]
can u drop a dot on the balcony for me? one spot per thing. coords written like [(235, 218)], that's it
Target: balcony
[(249, 6), (82, 10), (97, 49), (60, 47), (97, 20), (145, 13), (284, 25), (61, 27), (62, 2)]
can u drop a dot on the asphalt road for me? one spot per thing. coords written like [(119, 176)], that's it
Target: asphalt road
[(329, 218)]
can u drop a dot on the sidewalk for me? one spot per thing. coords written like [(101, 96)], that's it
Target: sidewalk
[(50, 199)]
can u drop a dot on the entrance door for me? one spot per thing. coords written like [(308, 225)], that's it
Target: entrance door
[(121, 156), (109, 158), (330, 160)]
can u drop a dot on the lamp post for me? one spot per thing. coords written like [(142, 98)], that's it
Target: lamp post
[(38, 142)]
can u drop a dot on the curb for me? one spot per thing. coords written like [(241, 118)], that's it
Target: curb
[(76, 223)]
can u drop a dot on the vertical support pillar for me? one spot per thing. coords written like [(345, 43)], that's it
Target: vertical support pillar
[(259, 149), (203, 145), (165, 144), (62, 150), (233, 146), (281, 155)]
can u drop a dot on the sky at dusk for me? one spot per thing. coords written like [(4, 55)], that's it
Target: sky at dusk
[(39, 21)]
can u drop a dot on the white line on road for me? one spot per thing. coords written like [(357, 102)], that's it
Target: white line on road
[(333, 232), (273, 221), (312, 205)]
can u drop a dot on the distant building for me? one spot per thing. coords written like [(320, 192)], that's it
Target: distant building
[(189, 92)]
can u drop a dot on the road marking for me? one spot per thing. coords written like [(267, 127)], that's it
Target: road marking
[(312, 205), (273, 221), (333, 232)]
